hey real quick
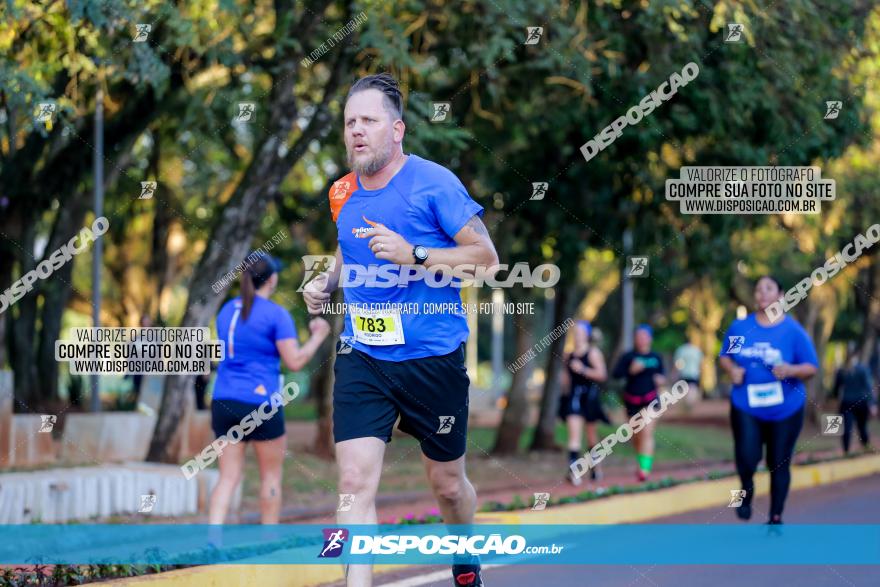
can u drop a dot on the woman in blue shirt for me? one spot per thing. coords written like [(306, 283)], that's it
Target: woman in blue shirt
[(768, 363), (257, 332)]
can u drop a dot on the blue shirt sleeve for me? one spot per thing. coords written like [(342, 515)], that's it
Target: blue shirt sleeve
[(804, 351), (452, 205), (284, 326)]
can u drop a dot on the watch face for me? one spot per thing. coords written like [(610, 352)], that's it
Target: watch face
[(421, 253)]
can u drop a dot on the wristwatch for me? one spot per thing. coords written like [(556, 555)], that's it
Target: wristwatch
[(420, 253)]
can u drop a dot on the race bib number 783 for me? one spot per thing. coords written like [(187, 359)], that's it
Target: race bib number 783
[(377, 327)]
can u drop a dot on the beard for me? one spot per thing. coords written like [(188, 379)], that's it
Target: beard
[(372, 165)]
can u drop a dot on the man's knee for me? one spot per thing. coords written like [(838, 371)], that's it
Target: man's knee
[(448, 486), (355, 480)]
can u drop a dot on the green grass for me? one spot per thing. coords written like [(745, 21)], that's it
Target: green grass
[(673, 441), (304, 411)]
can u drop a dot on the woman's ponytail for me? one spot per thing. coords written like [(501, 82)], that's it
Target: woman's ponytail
[(247, 293)]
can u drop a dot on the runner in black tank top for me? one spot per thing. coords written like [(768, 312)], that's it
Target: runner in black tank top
[(580, 401)]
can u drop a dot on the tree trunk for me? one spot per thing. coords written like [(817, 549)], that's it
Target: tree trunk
[(238, 222), (705, 315), (56, 292), (870, 306), (820, 315), (544, 438), (23, 319), (322, 390), (513, 422)]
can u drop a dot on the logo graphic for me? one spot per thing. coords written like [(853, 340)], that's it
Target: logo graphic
[(45, 112), (446, 423), (148, 188), (364, 231), (638, 266), (346, 500), (539, 188), (735, 344), (734, 33), (345, 345), (340, 188), (833, 425), (832, 109), (441, 109), (736, 498), (47, 422), (141, 32), (315, 265), (246, 111), (541, 500), (147, 503), (533, 34), (334, 540)]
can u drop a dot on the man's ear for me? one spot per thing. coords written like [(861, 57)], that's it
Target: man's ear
[(399, 130)]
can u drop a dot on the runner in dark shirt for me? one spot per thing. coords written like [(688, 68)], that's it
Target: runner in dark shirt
[(854, 387), (643, 370), (580, 401)]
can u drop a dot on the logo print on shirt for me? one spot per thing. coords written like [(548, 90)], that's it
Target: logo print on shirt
[(763, 351), (735, 344), (260, 390), (340, 188), (364, 231)]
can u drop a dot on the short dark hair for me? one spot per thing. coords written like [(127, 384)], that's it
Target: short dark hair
[(385, 84), (771, 278)]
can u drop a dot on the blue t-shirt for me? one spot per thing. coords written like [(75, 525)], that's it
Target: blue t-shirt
[(427, 205), (250, 372), (758, 349)]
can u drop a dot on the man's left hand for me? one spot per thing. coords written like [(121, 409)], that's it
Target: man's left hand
[(390, 246)]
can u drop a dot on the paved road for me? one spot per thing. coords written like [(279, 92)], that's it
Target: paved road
[(852, 502)]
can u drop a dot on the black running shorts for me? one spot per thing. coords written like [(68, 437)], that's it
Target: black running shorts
[(226, 413), (430, 396)]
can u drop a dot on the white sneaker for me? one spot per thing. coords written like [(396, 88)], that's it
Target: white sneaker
[(574, 479)]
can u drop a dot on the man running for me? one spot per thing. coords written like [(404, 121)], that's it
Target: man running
[(399, 211), (854, 386)]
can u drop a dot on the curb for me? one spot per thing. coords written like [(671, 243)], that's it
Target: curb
[(613, 510)]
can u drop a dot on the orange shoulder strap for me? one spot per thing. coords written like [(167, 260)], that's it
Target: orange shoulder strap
[(340, 192)]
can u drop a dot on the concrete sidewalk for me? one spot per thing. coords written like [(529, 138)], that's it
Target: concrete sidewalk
[(64, 495)]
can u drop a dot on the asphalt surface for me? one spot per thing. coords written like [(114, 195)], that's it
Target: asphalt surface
[(850, 502)]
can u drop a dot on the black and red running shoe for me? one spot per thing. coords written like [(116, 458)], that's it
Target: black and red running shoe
[(466, 576)]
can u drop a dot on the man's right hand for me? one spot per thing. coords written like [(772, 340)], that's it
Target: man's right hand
[(636, 367), (315, 296)]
